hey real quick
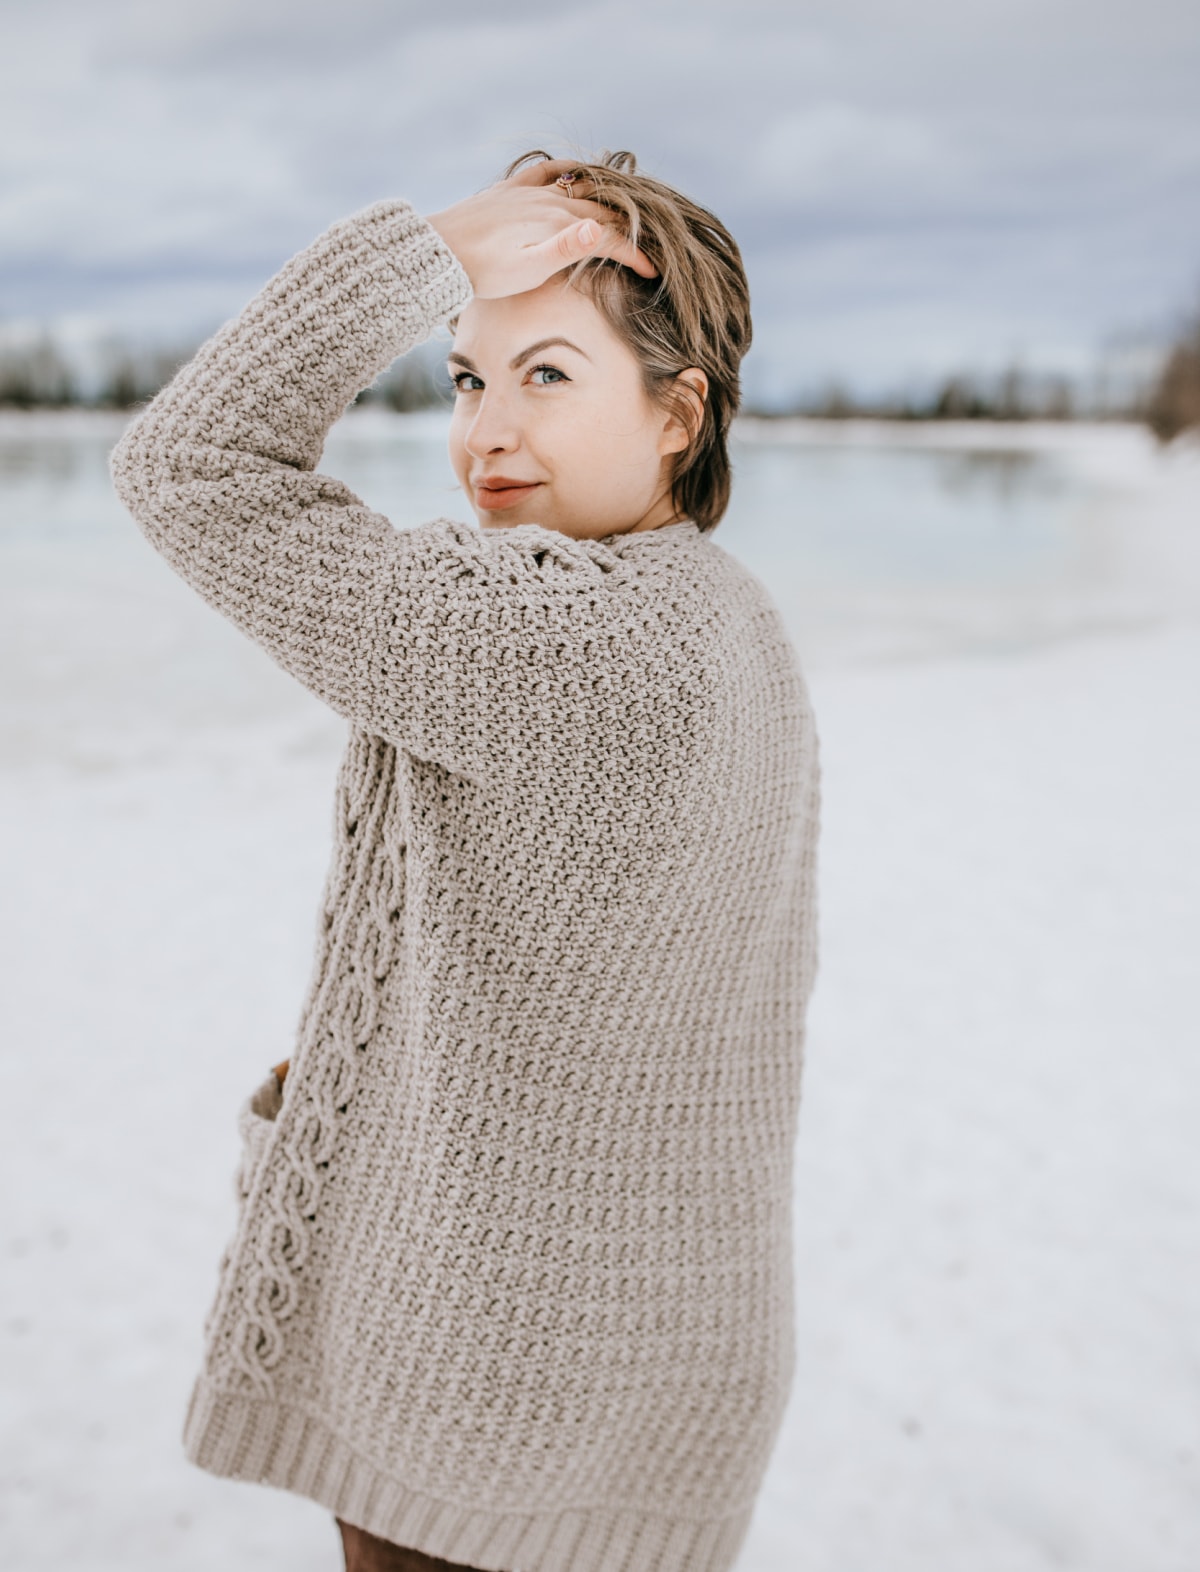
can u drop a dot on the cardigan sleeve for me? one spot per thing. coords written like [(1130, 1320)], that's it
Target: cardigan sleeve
[(437, 638)]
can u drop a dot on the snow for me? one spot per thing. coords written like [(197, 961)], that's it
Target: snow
[(997, 1198)]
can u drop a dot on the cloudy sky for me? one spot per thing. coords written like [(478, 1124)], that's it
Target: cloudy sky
[(916, 187)]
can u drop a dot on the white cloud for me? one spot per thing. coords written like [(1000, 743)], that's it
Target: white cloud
[(807, 152), (1008, 172)]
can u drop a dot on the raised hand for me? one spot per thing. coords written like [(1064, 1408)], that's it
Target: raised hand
[(514, 235)]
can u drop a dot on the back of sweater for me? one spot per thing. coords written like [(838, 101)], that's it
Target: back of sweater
[(511, 1281)]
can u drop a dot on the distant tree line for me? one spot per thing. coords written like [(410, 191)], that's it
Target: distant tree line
[(1168, 401), (417, 381), (37, 374), (1173, 404), (1015, 395)]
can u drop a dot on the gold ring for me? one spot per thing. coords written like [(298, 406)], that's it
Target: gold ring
[(566, 182)]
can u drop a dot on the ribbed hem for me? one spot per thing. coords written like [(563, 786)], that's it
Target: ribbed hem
[(268, 1443)]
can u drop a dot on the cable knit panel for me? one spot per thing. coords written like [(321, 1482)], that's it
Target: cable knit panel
[(511, 1280)]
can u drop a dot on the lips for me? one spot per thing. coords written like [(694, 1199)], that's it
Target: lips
[(503, 491)]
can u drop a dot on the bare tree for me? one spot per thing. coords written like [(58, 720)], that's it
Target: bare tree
[(1174, 401), (35, 375)]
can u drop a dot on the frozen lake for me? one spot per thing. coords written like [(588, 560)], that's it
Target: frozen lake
[(998, 1199), (879, 544)]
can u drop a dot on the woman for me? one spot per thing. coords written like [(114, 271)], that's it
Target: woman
[(511, 1283)]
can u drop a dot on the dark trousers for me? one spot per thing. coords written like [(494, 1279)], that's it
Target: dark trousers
[(367, 1553)]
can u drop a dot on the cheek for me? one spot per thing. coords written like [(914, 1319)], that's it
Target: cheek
[(621, 417), (606, 428), (620, 442), (456, 441)]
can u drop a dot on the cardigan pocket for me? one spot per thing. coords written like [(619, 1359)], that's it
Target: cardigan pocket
[(255, 1118)]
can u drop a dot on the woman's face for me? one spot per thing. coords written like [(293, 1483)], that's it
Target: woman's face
[(551, 423)]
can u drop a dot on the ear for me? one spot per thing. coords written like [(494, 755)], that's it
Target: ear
[(685, 410)]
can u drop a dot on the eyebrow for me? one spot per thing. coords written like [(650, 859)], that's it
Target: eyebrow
[(519, 360)]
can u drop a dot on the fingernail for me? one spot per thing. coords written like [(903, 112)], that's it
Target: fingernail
[(587, 232)]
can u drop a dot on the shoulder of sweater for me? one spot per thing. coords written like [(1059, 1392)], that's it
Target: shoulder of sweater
[(680, 589), (537, 554), (540, 540)]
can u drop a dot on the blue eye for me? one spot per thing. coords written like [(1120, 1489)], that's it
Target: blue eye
[(554, 372), (456, 380)]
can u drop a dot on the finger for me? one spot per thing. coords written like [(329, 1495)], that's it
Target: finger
[(610, 242), (544, 172), (614, 243), (591, 238), (578, 183), (624, 251)]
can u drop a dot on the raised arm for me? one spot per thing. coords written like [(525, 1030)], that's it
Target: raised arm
[(392, 628)]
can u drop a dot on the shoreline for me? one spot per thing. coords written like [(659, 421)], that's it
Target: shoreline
[(762, 430)]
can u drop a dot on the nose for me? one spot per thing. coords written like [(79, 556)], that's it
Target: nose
[(493, 428)]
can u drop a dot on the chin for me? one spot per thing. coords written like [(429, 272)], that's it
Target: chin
[(491, 522)]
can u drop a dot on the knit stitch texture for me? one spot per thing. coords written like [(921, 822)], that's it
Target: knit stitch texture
[(511, 1281)]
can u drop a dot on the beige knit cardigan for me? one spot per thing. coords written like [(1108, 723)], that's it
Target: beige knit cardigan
[(511, 1281)]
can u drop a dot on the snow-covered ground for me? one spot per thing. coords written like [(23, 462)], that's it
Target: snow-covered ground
[(997, 1192)]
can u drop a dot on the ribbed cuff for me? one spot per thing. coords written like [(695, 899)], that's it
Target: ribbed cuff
[(425, 266)]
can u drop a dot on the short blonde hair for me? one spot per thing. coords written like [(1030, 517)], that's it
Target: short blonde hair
[(695, 313)]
